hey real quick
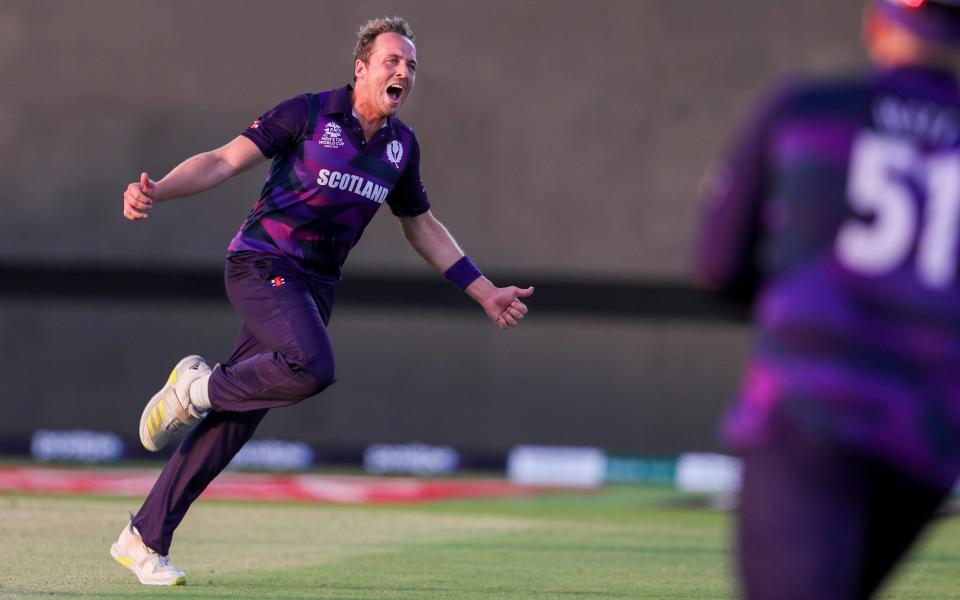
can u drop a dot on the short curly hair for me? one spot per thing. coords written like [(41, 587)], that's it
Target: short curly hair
[(371, 29)]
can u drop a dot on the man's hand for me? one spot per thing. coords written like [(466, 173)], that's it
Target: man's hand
[(197, 174), (434, 243), (503, 305), (139, 197)]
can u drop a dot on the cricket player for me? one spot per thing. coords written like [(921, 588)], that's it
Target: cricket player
[(839, 208), (336, 157)]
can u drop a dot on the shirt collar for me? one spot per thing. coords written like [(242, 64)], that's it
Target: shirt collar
[(939, 82), (338, 103)]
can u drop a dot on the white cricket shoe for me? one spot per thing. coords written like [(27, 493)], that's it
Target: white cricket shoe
[(170, 409), (149, 567)]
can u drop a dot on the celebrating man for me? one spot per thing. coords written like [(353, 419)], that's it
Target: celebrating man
[(337, 156)]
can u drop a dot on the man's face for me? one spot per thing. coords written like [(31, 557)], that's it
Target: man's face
[(385, 81)]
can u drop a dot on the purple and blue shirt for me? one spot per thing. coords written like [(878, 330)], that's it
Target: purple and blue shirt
[(326, 182), (839, 209)]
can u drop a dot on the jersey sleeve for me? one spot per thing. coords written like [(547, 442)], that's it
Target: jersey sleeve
[(281, 127), (733, 192), (408, 197)]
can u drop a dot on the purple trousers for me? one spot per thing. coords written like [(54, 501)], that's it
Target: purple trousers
[(819, 521), (282, 355)]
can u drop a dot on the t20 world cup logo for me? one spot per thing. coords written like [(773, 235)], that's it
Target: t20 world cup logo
[(332, 136)]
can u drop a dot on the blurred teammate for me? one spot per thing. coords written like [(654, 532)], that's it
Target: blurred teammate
[(337, 156), (839, 207)]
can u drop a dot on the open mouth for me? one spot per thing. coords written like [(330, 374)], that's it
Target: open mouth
[(395, 92)]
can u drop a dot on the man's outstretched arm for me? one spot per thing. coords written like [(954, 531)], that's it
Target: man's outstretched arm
[(194, 175), (434, 243)]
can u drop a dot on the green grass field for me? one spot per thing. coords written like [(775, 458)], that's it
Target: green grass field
[(622, 542)]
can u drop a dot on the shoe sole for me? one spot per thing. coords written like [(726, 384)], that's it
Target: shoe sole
[(124, 560), (156, 403)]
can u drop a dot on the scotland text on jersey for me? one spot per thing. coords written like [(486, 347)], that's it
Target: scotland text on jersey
[(354, 183)]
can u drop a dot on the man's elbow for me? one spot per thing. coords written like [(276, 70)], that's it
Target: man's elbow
[(713, 274), (733, 281), (225, 167)]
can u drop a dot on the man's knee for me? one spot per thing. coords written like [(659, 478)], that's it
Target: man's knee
[(314, 376), (322, 373)]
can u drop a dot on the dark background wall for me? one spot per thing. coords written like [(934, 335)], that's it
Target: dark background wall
[(562, 141)]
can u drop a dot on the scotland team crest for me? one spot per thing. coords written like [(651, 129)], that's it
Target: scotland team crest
[(395, 152)]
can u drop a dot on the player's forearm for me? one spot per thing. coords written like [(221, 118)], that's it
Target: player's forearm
[(194, 175), (442, 252), (433, 242), (436, 245)]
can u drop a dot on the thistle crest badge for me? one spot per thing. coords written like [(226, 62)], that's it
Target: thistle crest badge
[(395, 152)]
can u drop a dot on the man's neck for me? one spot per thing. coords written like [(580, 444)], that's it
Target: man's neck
[(370, 122)]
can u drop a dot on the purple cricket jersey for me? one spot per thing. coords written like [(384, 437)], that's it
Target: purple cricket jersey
[(326, 183), (839, 206)]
